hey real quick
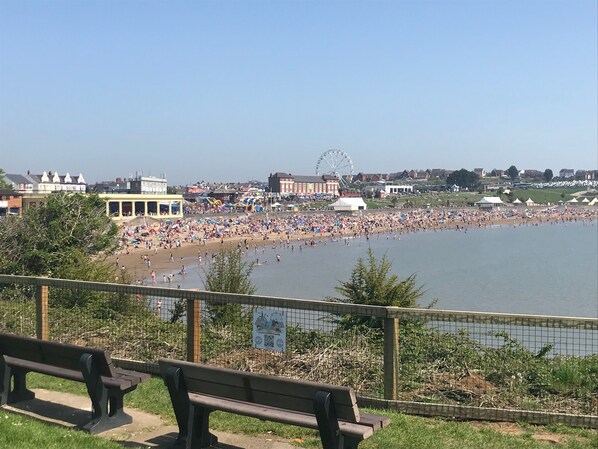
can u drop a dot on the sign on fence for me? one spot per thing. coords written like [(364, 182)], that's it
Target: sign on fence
[(269, 329)]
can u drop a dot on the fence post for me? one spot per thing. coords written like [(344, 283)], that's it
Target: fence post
[(41, 312), (391, 358), (193, 331)]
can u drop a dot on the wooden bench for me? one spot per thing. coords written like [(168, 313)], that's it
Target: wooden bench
[(197, 390), (105, 383)]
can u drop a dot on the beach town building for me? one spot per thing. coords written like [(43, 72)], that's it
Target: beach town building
[(19, 183), (586, 175), (371, 177), (288, 184), (392, 189), (533, 174), (119, 185), (126, 206), (419, 175), (480, 172), (11, 202), (566, 173), (148, 185), (439, 173), (49, 182), (35, 187)]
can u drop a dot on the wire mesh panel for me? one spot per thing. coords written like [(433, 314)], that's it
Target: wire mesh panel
[(17, 309), (316, 347), (505, 362), (465, 364), (130, 323)]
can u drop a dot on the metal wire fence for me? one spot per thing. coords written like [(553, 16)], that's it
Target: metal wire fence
[(424, 361)]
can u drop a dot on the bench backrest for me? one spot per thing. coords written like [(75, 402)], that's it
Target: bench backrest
[(61, 355), (282, 392)]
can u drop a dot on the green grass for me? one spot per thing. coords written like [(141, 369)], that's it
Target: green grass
[(462, 199), (545, 196), (404, 432), (22, 432)]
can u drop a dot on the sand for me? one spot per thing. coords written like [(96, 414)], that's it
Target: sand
[(133, 259)]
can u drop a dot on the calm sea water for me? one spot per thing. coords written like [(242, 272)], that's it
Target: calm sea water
[(549, 269)]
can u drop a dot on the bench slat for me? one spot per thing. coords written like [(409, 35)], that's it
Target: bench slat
[(353, 430), (262, 389), (300, 401), (134, 376), (121, 381), (236, 378), (58, 354), (374, 421)]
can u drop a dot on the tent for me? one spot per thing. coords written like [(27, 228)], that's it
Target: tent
[(585, 200), (530, 202), (593, 202), (573, 200), (517, 201), (489, 202), (348, 204)]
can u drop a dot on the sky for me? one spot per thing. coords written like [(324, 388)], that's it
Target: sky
[(225, 91)]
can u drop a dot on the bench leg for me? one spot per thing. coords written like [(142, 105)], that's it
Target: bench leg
[(327, 421), (193, 422), (19, 390), (5, 373), (349, 443), (175, 382), (106, 407), (199, 429)]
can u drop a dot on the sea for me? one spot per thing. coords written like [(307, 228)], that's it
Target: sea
[(542, 269)]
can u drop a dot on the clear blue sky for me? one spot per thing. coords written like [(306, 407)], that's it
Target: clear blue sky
[(234, 90)]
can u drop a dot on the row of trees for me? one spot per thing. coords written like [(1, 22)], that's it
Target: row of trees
[(67, 237), (471, 180)]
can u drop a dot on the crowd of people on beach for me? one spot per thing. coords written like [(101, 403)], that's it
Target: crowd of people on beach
[(256, 228)]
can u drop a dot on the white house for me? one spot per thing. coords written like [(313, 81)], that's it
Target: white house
[(49, 182), (394, 189)]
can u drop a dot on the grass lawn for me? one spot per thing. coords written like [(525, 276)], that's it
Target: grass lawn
[(404, 432), (545, 196)]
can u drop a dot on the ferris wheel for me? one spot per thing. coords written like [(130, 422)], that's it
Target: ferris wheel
[(336, 163)]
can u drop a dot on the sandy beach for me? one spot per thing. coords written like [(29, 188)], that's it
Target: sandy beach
[(163, 248)]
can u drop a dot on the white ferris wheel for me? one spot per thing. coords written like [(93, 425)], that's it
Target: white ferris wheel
[(336, 163)]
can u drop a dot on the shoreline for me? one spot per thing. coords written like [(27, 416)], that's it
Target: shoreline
[(166, 248)]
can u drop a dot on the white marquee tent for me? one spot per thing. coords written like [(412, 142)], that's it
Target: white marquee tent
[(348, 204), (489, 202)]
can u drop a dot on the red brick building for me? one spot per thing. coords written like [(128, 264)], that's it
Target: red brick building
[(287, 184), (11, 202)]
